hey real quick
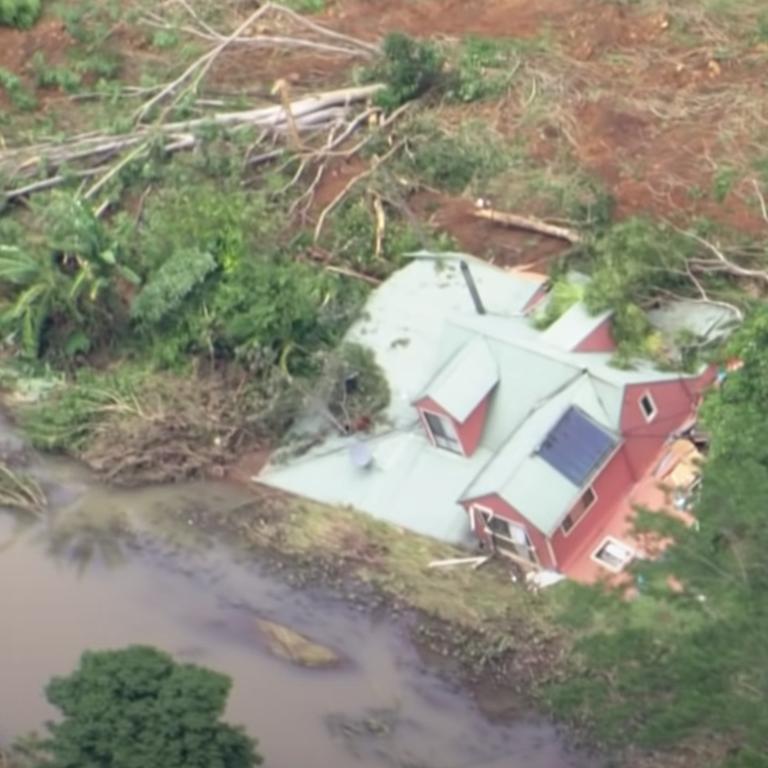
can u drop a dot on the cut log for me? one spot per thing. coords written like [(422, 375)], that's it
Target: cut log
[(530, 223)]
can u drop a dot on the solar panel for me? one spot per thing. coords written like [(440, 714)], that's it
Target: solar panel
[(576, 446)]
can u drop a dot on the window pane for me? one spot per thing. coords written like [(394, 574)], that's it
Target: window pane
[(436, 425), (579, 510), (647, 405)]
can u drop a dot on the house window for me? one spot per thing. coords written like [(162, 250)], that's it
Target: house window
[(508, 537), (582, 506), (442, 432), (613, 555), (648, 407)]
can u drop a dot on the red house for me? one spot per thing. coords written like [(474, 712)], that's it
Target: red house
[(574, 440), (531, 441)]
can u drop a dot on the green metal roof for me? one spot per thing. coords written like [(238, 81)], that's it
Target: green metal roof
[(524, 480), (572, 327), (708, 322), (427, 337), (465, 380)]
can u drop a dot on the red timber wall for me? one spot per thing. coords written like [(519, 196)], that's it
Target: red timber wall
[(610, 487), (501, 509), (470, 431), (676, 403), (600, 340)]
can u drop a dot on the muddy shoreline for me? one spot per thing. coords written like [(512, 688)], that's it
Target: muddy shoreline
[(502, 678)]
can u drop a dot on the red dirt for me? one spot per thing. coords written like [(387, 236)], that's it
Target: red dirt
[(500, 18), (614, 61), (500, 245), (17, 47)]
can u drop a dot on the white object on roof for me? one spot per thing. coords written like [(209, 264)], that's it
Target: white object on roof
[(410, 484), (465, 380), (360, 454)]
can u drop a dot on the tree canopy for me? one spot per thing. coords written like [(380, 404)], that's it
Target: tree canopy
[(694, 660), (138, 708)]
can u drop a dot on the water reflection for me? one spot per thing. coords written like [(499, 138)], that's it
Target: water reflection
[(90, 540), (98, 574)]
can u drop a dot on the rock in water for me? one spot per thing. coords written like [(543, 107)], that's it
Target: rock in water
[(288, 644)]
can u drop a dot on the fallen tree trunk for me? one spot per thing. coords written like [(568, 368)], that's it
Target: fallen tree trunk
[(531, 224), (38, 167)]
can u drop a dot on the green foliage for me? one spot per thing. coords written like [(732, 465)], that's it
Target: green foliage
[(351, 237), (17, 93), (219, 282), (165, 38), (60, 279), (137, 707), (454, 162), (356, 387), (698, 662), (305, 6), (171, 285), (723, 182), (409, 69), (630, 262), (485, 69), (65, 419), (561, 298), (47, 76), (19, 13)]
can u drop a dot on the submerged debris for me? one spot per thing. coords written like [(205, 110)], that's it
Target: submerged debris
[(21, 491), (288, 644)]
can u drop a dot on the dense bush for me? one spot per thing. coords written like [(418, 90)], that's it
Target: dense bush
[(19, 13), (694, 662), (138, 707), (61, 278), (409, 68)]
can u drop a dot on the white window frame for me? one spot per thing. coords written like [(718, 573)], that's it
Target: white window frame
[(583, 514), (438, 442), (654, 410), (529, 543), (631, 555)]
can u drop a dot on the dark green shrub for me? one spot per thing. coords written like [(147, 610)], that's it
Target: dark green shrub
[(19, 13), (409, 69)]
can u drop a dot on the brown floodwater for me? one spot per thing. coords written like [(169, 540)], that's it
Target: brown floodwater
[(102, 572)]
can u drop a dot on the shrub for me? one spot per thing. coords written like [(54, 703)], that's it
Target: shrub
[(409, 69), (137, 706), (17, 93), (19, 13), (454, 161)]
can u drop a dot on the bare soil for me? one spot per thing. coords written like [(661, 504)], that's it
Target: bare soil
[(654, 115)]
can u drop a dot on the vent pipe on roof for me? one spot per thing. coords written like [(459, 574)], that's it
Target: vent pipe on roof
[(473, 292)]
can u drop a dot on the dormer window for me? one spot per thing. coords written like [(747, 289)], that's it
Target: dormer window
[(648, 407), (442, 432)]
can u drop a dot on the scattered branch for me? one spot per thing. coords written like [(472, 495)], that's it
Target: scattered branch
[(761, 200), (375, 165)]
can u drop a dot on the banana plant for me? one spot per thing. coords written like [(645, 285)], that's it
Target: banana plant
[(61, 277)]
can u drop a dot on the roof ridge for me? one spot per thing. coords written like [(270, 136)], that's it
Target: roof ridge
[(537, 406)]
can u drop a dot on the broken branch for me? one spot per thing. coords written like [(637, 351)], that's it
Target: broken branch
[(530, 223)]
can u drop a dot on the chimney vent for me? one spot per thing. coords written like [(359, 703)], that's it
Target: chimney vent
[(473, 292)]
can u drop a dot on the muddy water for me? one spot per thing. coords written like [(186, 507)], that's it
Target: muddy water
[(98, 575)]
